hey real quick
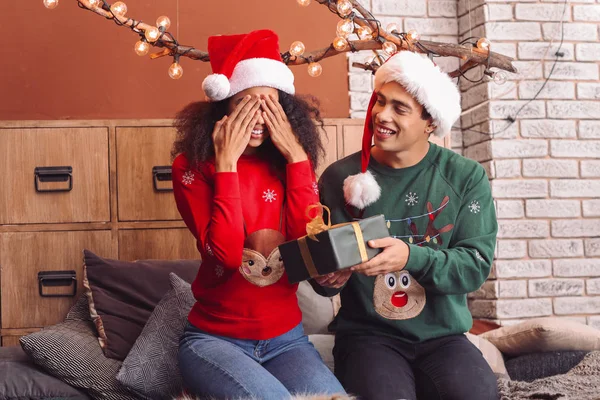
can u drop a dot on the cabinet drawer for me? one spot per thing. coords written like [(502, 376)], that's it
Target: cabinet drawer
[(10, 337), (10, 341), (157, 244), (329, 138), (141, 195), (23, 255), (351, 139), (85, 150)]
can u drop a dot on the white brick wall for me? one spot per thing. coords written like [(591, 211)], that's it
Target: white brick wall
[(545, 167), (547, 191)]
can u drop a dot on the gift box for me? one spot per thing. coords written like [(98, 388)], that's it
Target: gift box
[(332, 249)]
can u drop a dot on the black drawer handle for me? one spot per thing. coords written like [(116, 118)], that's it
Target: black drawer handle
[(53, 174), (161, 174), (57, 278)]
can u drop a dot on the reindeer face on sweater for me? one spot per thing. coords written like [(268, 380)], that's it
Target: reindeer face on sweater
[(261, 262), (398, 296)]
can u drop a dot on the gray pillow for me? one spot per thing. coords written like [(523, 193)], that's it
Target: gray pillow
[(70, 351), (151, 370)]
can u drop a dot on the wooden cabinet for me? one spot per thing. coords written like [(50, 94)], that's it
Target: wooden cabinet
[(103, 186)]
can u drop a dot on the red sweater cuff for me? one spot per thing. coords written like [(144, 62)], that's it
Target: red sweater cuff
[(227, 184), (299, 174)]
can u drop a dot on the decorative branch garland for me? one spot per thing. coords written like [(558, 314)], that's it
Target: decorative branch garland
[(355, 19)]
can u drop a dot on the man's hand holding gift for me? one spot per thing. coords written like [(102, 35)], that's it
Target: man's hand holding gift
[(393, 258)]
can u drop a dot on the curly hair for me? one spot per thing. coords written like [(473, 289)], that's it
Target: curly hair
[(196, 121)]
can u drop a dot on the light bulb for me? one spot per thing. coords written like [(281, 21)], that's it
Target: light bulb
[(163, 22), (152, 34), (483, 44), (94, 3), (413, 35), (119, 9), (175, 71), (314, 69), (364, 32), (344, 8), (340, 43), (50, 4), (392, 27), (345, 27), (389, 48), (142, 48), (297, 48), (500, 77), (304, 3)]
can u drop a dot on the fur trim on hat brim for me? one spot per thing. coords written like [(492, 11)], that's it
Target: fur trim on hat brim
[(361, 190), (431, 87), (256, 72)]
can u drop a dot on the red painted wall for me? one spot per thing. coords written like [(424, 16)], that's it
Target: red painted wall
[(69, 63)]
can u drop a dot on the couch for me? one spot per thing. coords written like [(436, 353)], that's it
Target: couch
[(55, 363)]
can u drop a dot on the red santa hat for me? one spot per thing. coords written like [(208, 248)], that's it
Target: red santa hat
[(243, 61), (430, 87)]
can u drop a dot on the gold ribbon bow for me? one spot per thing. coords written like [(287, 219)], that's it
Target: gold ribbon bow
[(318, 225)]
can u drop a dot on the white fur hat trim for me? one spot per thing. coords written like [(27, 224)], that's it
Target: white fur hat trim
[(430, 86)]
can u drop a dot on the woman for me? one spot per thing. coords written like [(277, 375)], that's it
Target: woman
[(243, 178)]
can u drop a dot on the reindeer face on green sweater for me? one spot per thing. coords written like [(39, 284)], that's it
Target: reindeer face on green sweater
[(261, 262), (398, 296)]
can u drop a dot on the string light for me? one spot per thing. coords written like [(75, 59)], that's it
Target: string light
[(297, 48), (413, 35), (152, 34), (500, 77), (119, 9), (364, 32), (484, 44), (389, 48), (391, 28), (344, 8), (142, 48), (314, 69), (175, 70), (340, 43), (163, 22), (345, 28), (50, 4)]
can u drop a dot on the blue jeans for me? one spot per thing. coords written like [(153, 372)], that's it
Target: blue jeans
[(228, 368)]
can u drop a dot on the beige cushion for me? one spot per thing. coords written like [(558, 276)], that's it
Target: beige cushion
[(317, 311), (492, 355), (544, 334), (324, 345)]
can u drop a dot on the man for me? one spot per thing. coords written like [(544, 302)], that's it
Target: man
[(400, 330)]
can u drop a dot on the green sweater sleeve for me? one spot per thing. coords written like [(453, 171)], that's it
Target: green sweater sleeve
[(465, 264)]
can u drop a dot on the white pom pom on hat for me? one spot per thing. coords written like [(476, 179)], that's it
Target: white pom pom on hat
[(216, 87), (430, 87)]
